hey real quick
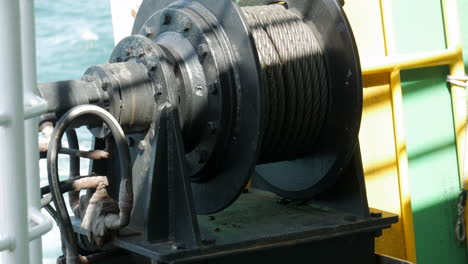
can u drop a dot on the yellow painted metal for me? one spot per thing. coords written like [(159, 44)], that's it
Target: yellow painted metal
[(452, 56), (402, 163), (425, 59), (382, 137), (380, 160), (400, 139), (379, 169)]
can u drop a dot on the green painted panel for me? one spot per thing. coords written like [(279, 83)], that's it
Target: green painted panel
[(463, 13), (419, 25), (428, 121), (432, 165)]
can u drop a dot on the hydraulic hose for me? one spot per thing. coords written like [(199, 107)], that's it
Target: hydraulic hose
[(74, 196), (125, 190)]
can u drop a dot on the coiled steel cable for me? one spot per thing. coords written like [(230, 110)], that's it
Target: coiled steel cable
[(294, 81)]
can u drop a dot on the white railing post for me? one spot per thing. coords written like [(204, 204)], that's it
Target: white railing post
[(13, 201), (33, 106)]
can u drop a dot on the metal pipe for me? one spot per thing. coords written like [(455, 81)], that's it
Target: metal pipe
[(4, 119), (36, 107), (43, 225), (399, 135), (7, 244), (421, 60), (13, 202), (33, 106)]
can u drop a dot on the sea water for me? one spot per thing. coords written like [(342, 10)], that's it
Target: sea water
[(70, 36)]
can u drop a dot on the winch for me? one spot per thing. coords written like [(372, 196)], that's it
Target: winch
[(223, 131)]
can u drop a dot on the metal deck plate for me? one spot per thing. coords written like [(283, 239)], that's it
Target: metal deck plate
[(256, 221)]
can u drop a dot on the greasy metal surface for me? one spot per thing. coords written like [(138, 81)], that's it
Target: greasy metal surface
[(203, 71), (232, 161), (257, 221), (129, 79)]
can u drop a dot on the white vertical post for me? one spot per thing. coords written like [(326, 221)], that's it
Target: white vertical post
[(13, 202), (31, 99), (123, 17)]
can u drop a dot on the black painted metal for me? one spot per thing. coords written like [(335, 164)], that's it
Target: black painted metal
[(203, 60), (63, 95), (186, 90), (229, 63), (259, 226), (170, 212)]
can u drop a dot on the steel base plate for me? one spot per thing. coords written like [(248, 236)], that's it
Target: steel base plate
[(259, 221)]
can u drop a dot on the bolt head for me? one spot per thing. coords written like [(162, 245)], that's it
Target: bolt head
[(202, 49), (142, 145), (186, 24), (199, 90), (151, 65), (105, 84), (129, 51), (148, 31), (212, 127), (159, 87)]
